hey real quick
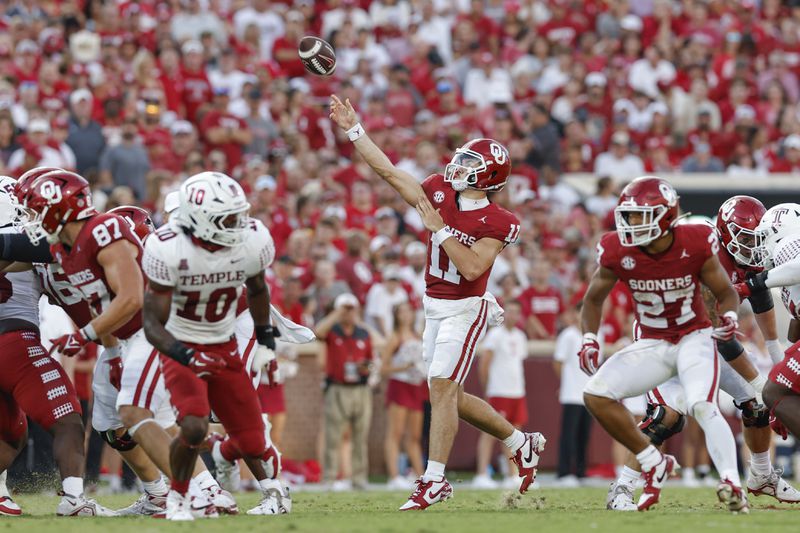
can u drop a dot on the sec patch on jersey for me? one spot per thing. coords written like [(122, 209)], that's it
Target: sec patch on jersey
[(317, 55)]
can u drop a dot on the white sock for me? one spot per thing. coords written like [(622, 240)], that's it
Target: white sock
[(719, 440), (268, 484), (514, 441), (72, 485), (156, 488), (758, 383), (649, 457), (628, 477), (205, 480), (3, 489), (434, 471), (760, 463), (688, 473)]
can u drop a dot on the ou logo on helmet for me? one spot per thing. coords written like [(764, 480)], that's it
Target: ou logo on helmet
[(499, 153), (727, 209), (668, 193), (51, 191)]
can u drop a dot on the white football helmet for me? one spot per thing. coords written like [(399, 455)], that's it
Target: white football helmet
[(10, 210), (214, 207), (778, 222)]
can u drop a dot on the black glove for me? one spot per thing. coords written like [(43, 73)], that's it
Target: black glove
[(265, 336)]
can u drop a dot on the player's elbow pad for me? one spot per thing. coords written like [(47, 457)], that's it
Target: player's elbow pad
[(730, 350), (761, 301), (17, 247)]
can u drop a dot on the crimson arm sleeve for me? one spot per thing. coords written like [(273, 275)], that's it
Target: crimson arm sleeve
[(17, 247)]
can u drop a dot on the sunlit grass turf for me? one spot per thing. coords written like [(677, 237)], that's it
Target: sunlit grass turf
[(680, 511)]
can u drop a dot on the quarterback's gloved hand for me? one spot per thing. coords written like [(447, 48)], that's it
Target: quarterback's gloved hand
[(589, 356), (778, 427), (115, 372), (265, 358), (207, 364), (70, 344), (728, 324)]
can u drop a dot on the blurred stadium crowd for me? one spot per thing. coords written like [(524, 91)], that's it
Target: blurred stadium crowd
[(138, 95)]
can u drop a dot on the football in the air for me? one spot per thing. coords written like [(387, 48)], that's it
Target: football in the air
[(317, 55)]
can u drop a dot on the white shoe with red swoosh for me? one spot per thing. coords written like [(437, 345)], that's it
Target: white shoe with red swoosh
[(427, 493), (8, 507), (527, 459), (654, 480)]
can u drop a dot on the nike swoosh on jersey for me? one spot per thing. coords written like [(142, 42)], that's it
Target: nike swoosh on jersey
[(237, 260)]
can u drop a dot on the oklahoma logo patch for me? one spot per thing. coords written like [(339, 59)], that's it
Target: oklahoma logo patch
[(628, 262)]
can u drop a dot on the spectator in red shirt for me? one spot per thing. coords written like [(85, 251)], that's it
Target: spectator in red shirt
[(196, 89), (354, 268), (225, 132), (284, 49), (541, 303), (361, 209)]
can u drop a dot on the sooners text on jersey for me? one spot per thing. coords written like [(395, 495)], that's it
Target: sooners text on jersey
[(665, 287), (84, 273), (206, 284), (442, 279)]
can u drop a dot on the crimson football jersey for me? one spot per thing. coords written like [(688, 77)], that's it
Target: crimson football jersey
[(665, 287), (62, 293), (736, 272), (442, 279), (85, 273)]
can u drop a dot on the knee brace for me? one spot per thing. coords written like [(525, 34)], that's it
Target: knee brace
[(122, 443), (754, 415), (134, 428), (654, 428), (250, 442)]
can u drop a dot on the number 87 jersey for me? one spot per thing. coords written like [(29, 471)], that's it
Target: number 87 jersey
[(469, 222), (665, 287), (206, 280)]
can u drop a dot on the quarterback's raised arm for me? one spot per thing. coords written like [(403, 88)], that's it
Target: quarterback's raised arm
[(345, 117)]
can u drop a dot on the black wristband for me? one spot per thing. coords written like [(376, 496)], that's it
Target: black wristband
[(730, 350), (17, 247), (757, 282), (761, 301), (180, 352), (265, 336)]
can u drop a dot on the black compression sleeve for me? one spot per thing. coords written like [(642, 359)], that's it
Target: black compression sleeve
[(761, 301), (730, 350), (17, 247)]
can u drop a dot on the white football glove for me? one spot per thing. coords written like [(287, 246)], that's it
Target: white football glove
[(265, 358)]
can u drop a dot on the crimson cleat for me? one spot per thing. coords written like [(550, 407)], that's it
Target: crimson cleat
[(654, 480), (527, 459), (733, 497), (8, 507), (427, 493)]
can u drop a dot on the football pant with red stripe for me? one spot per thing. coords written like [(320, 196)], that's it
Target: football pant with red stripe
[(142, 383), (33, 383), (449, 344)]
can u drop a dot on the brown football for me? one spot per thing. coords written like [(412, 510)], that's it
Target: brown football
[(317, 55)]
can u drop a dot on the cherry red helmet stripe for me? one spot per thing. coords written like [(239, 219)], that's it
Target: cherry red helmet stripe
[(454, 375), (473, 344)]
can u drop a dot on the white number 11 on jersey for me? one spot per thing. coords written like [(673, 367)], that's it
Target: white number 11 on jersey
[(450, 275)]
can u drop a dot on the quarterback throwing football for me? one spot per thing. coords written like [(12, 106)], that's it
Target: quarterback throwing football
[(467, 233)]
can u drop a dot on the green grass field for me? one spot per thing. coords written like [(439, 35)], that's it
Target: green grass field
[(681, 511)]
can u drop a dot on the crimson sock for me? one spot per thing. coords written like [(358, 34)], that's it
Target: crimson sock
[(180, 486)]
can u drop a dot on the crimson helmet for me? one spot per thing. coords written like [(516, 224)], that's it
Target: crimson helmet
[(138, 219), (655, 200), (27, 178), (737, 220), (481, 164), (53, 200)]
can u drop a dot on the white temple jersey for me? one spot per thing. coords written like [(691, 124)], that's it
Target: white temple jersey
[(206, 284)]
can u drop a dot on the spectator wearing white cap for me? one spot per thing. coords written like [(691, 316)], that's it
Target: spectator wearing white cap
[(382, 297), (183, 140), (36, 152), (193, 20), (645, 74), (85, 134), (413, 272), (790, 162), (618, 162), (269, 23), (196, 89), (347, 397), (487, 83)]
